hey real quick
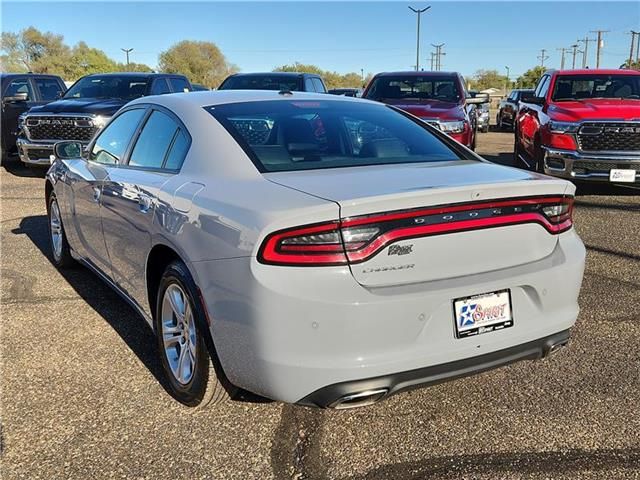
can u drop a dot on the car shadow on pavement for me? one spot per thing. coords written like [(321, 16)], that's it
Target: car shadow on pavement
[(15, 167)]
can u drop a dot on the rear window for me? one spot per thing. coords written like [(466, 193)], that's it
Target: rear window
[(306, 135), (576, 87), (415, 88), (261, 82)]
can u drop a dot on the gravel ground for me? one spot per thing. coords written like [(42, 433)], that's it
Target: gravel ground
[(83, 397)]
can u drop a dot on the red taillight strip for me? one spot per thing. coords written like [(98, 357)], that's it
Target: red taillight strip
[(460, 226), (387, 217)]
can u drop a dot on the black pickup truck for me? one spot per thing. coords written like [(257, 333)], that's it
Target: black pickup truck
[(86, 108), (20, 92)]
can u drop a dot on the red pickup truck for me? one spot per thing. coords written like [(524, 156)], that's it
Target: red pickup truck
[(438, 98), (582, 125)]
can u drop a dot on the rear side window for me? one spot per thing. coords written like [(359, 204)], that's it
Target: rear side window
[(112, 143), (290, 135), (177, 151), (49, 88), (179, 84), (154, 141), (160, 87)]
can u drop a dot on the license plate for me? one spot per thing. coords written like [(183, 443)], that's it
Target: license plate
[(620, 175), (483, 313)]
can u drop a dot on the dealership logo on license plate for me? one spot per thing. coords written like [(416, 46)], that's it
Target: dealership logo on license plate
[(483, 313)]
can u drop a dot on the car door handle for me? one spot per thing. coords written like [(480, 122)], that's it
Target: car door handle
[(96, 194), (144, 203)]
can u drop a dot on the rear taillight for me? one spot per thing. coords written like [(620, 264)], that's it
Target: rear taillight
[(357, 239)]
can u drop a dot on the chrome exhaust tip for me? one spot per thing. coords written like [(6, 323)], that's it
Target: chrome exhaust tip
[(359, 399), (556, 347)]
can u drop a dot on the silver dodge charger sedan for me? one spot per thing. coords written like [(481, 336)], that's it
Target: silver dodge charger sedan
[(315, 250)]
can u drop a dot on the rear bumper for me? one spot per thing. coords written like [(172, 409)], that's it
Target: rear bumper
[(285, 333), (331, 395), (587, 167)]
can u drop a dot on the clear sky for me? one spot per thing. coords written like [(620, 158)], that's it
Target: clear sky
[(340, 36)]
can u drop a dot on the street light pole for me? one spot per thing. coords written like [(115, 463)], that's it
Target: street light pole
[(419, 11), (126, 51)]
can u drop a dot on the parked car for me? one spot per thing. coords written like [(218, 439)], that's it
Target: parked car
[(508, 108), (315, 249), (438, 98), (347, 92), (582, 125), (85, 108), (197, 87), (285, 81), (20, 92)]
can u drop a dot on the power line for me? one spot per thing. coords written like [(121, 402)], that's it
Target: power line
[(418, 11), (599, 45), (542, 57)]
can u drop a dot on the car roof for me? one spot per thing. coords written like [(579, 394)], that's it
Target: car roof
[(595, 71), (221, 97), (134, 74), (413, 73), (11, 75), (272, 74)]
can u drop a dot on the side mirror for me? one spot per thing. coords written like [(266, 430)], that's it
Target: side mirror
[(18, 97), (532, 99), (68, 149)]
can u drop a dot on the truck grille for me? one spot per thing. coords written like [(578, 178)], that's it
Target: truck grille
[(601, 167), (59, 128), (609, 137)]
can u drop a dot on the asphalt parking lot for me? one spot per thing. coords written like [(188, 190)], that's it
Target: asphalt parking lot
[(82, 394)]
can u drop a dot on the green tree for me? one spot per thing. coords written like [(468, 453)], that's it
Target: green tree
[(201, 62), (86, 60), (132, 67), (529, 78), (634, 65), (484, 79), (34, 51)]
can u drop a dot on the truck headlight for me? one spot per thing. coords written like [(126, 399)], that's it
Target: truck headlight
[(563, 127), (21, 120), (100, 121), (452, 127)]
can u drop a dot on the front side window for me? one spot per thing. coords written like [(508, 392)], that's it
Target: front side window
[(261, 82), (415, 88), (290, 135), (112, 143), (577, 87), (308, 85), (319, 87), (49, 88), (179, 84), (154, 141), (17, 86), (126, 87)]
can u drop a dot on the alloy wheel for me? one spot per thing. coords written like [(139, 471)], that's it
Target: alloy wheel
[(179, 333), (55, 228)]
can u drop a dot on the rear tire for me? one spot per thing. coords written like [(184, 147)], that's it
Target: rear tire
[(60, 251), (180, 326)]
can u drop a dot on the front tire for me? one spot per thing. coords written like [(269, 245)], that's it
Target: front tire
[(180, 327), (60, 251)]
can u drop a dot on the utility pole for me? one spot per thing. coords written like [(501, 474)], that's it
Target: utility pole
[(542, 57), (575, 51), (563, 50), (586, 40), (419, 11), (433, 56), (439, 53), (126, 51), (633, 42), (599, 45)]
